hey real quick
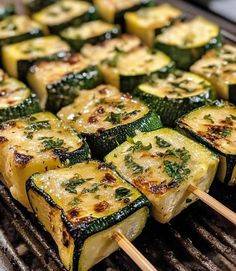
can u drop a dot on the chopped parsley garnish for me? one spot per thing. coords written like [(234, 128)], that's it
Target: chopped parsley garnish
[(74, 201), (138, 146), (233, 117), (182, 154), (161, 142), (36, 126), (175, 170), (51, 143), (209, 118), (129, 162), (114, 118), (94, 188), (71, 185), (112, 62), (122, 192)]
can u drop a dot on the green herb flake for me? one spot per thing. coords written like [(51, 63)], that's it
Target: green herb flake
[(129, 162), (226, 132), (178, 172), (114, 118), (36, 126), (74, 201), (209, 118), (233, 117), (138, 146), (71, 185), (122, 192), (161, 142), (182, 154), (49, 143)]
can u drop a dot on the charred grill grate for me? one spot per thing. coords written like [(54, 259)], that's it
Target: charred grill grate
[(197, 240)]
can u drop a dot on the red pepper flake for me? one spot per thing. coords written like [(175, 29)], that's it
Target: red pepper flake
[(92, 119), (108, 178), (101, 206)]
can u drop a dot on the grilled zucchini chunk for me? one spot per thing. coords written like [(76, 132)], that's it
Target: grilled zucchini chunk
[(215, 126), (162, 164), (36, 5), (127, 70), (146, 23), (65, 13), (186, 42), (106, 120), (113, 11), (19, 57), (91, 32), (6, 10), (108, 49), (58, 82), (219, 67), (82, 207), (18, 28), (16, 100), (173, 96), (36, 144)]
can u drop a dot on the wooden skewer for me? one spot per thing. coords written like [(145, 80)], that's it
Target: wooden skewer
[(132, 252), (213, 203)]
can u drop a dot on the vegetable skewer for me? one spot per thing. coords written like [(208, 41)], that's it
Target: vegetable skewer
[(134, 254), (213, 203)]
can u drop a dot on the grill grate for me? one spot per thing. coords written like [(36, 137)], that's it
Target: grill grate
[(197, 240)]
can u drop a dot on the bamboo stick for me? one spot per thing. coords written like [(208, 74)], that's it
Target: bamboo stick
[(132, 252), (213, 203)]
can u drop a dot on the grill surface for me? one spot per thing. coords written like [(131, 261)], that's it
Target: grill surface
[(198, 239)]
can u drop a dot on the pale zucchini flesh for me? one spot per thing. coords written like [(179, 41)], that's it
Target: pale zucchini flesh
[(35, 144), (162, 164), (215, 125), (95, 201), (219, 67), (146, 23), (108, 49), (26, 52)]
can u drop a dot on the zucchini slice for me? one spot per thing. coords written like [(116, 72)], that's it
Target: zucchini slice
[(113, 11), (219, 67), (186, 42), (58, 82), (91, 32), (106, 120), (108, 49), (6, 10), (36, 144), (82, 207), (162, 164), (19, 57), (16, 100), (36, 5), (215, 126), (18, 28), (127, 70), (173, 96), (65, 13), (146, 23)]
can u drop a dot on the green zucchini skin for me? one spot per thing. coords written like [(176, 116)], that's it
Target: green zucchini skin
[(6, 10), (29, 106), (66, 90), (92, 14), (101, 143), (36, 33), (36, 5), (23, 66), (84, 230), (77, 44), (77, 156), (170, 109), (232, 93), (129, 83), (185, 57)]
